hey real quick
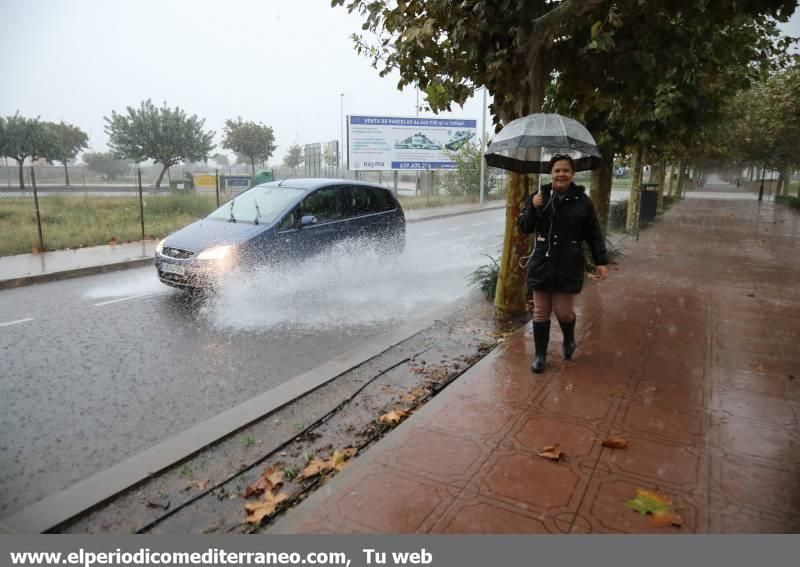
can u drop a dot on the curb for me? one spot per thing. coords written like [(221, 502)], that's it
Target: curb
[(139, 262), (75, 273)]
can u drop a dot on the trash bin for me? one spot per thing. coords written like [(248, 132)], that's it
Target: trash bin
[(263, 176), (648, 203)]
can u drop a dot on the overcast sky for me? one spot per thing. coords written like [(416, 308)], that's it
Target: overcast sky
[(283, 63)]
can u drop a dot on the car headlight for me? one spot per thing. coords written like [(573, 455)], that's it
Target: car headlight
[(160, 246), (216, 253)]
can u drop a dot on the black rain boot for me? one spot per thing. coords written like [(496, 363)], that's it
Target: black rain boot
[(569, 337), (541, 336)]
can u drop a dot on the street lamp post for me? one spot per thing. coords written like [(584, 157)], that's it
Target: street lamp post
[(483, 146), (341, 132)]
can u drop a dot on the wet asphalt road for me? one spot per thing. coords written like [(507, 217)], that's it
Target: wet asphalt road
[(94, 370)]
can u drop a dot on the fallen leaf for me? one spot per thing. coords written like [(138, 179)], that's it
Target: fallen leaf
[(269, 480), (315, 467), (257, 511), (551, 452), (393, 417), (36, 250), (615, 443), (200, 484), (658, 505), (339, 458)]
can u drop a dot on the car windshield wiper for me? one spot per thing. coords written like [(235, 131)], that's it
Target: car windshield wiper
[(258, 212), (233, 218)]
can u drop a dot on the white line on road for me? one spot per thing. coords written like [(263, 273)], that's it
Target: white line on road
[(18, 321), (120, 299), (479, 224), (455, 228), (430, 234), (500, 219)]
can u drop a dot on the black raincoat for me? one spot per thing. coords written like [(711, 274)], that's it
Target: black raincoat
[(560, 228)]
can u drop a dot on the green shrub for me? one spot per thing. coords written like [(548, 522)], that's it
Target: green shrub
[(485, 278), (793, 202), (618, 215)]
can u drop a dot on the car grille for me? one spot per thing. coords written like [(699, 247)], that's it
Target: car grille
[(177, 253)]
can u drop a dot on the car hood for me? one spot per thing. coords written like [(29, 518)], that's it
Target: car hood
[(206, 233)]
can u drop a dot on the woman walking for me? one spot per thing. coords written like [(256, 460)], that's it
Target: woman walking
[(562, 217)]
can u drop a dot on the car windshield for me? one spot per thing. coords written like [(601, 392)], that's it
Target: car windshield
[(259, 204)]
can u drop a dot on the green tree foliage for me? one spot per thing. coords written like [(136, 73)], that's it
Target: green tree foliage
[(466, 179), (69, 141), (652, 78), (221, 159), (250, 140), (165, 135), (106, 163), (294, 157), (763, 122), (26, 138)]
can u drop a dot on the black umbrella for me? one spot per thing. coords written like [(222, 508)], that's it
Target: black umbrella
[(525, 145)]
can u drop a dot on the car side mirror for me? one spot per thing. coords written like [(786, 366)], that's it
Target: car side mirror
[(308, 220)]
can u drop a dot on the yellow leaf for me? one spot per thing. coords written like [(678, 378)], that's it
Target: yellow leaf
[(615, 443), (257, 511), (551, 452), (315, 467), (269, 480), (393, 417), (339, 458)]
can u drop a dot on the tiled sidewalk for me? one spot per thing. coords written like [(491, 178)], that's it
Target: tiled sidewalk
[(689, 352)]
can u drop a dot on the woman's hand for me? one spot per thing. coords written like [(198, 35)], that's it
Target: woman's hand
[(537, 200), (602, 273)]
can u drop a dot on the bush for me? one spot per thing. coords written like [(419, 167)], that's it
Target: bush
[(613, 251), (485, 278), (618, 215), (793, 202)]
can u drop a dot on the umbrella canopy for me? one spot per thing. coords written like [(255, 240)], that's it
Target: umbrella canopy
[(525, 145)]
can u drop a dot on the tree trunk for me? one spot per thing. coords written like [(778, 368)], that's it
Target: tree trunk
[(21, 174), (161, 176), (253, 171), (670, 193), (602, 181), (510, 297), (681, 179), (66, 173), (633, 199), (662, 178)]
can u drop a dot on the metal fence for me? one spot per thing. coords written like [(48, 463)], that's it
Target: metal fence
[(46, 213)]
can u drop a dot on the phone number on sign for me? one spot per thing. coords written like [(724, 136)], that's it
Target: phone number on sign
[(414, 165)]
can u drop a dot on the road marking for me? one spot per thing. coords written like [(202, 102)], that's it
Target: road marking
[(110, 301), (455, 228), (479, 224), (430, 234), (17, 322), (500, 219)]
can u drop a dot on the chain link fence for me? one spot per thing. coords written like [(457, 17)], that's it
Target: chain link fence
[(42, 211)]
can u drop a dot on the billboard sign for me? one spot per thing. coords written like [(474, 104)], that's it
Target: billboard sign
[(395, 143)]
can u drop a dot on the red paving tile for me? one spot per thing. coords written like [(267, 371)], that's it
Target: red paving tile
[(692, 361)]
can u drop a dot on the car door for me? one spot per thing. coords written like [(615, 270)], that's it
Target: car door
[(370, 206), (327, 207)]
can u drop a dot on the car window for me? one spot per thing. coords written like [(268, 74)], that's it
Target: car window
[(261, 204), (326, 204), (289, 221), (367, 200), (383, 201)]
